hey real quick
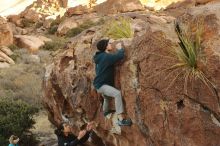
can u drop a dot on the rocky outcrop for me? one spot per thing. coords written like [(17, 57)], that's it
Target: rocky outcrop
[(38, 11), (78, 10), (76, 21), (118, 6), (163, 114), (5, 33)]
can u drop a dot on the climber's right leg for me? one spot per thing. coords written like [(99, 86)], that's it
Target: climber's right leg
[(110, 91), (113, 92)]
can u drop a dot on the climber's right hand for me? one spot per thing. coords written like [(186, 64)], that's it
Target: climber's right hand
[(118, 46), (90, 126), (16, 141), (81, 134)]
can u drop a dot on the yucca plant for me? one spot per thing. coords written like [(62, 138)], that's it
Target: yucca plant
[(190, 56), (120, 28)]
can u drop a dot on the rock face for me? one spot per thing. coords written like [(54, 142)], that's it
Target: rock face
[(163, 114), (118, 6), (5, 33)]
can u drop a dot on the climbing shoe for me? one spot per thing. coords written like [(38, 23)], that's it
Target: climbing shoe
[(108, 112), (125, 122)]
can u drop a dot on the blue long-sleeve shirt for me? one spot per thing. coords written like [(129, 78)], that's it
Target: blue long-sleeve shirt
[(71, 140), (105, 67)]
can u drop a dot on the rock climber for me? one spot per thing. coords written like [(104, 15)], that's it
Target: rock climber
[(105, 60)]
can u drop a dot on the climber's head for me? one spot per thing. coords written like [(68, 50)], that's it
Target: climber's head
[(104, 45), (63, 128)]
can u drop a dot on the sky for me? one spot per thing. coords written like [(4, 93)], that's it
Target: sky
[(9, 7)]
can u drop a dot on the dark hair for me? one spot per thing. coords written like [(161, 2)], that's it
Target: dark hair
[(60, 128), (102, 45), (83, 126)]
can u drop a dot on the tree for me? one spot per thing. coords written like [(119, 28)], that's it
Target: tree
[(16, 118)]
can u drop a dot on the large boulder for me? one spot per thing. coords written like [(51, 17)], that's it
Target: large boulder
[(163, 113), (16, 19), (119, 6), (31, 43), (5, 33)]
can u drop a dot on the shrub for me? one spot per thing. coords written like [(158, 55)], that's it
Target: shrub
[(55, 44), (190, 51), (16, 118), (54, 25), (22, 81), (38, 24), (13, 47), (53, 29), (57, 21), (190, 55), (75, 31), (27, 23), (119, 28)]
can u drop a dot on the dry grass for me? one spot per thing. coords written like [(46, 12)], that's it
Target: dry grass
[(22, 81), (119, 28), (55, 44)]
